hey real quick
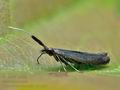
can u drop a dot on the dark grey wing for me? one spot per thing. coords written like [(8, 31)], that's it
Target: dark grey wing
[(83, 57)]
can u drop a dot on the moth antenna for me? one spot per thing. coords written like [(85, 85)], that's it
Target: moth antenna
[(39, 41), (19, 29), (32, 36)]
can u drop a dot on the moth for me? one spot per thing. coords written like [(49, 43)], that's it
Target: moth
[(70, 57)]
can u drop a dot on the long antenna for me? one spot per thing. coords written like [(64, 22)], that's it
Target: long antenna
[(19, 29), (32, 36)]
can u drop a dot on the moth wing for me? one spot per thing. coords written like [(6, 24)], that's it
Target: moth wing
[(81, 57)]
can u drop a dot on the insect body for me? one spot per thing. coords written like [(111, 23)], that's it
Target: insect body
[(69, 57)]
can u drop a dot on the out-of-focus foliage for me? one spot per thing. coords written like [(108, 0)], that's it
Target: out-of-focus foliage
[(118, 6), (24, 11), (4, 16), (82, 25)]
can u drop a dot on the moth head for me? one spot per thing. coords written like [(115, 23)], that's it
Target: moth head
[(48, 51)]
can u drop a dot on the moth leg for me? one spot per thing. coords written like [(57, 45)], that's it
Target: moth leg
[(61, 63), (56, 60), (39, 57), (63, 66), (70, 64)]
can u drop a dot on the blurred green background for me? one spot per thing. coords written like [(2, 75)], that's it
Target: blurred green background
[(82, 25)]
